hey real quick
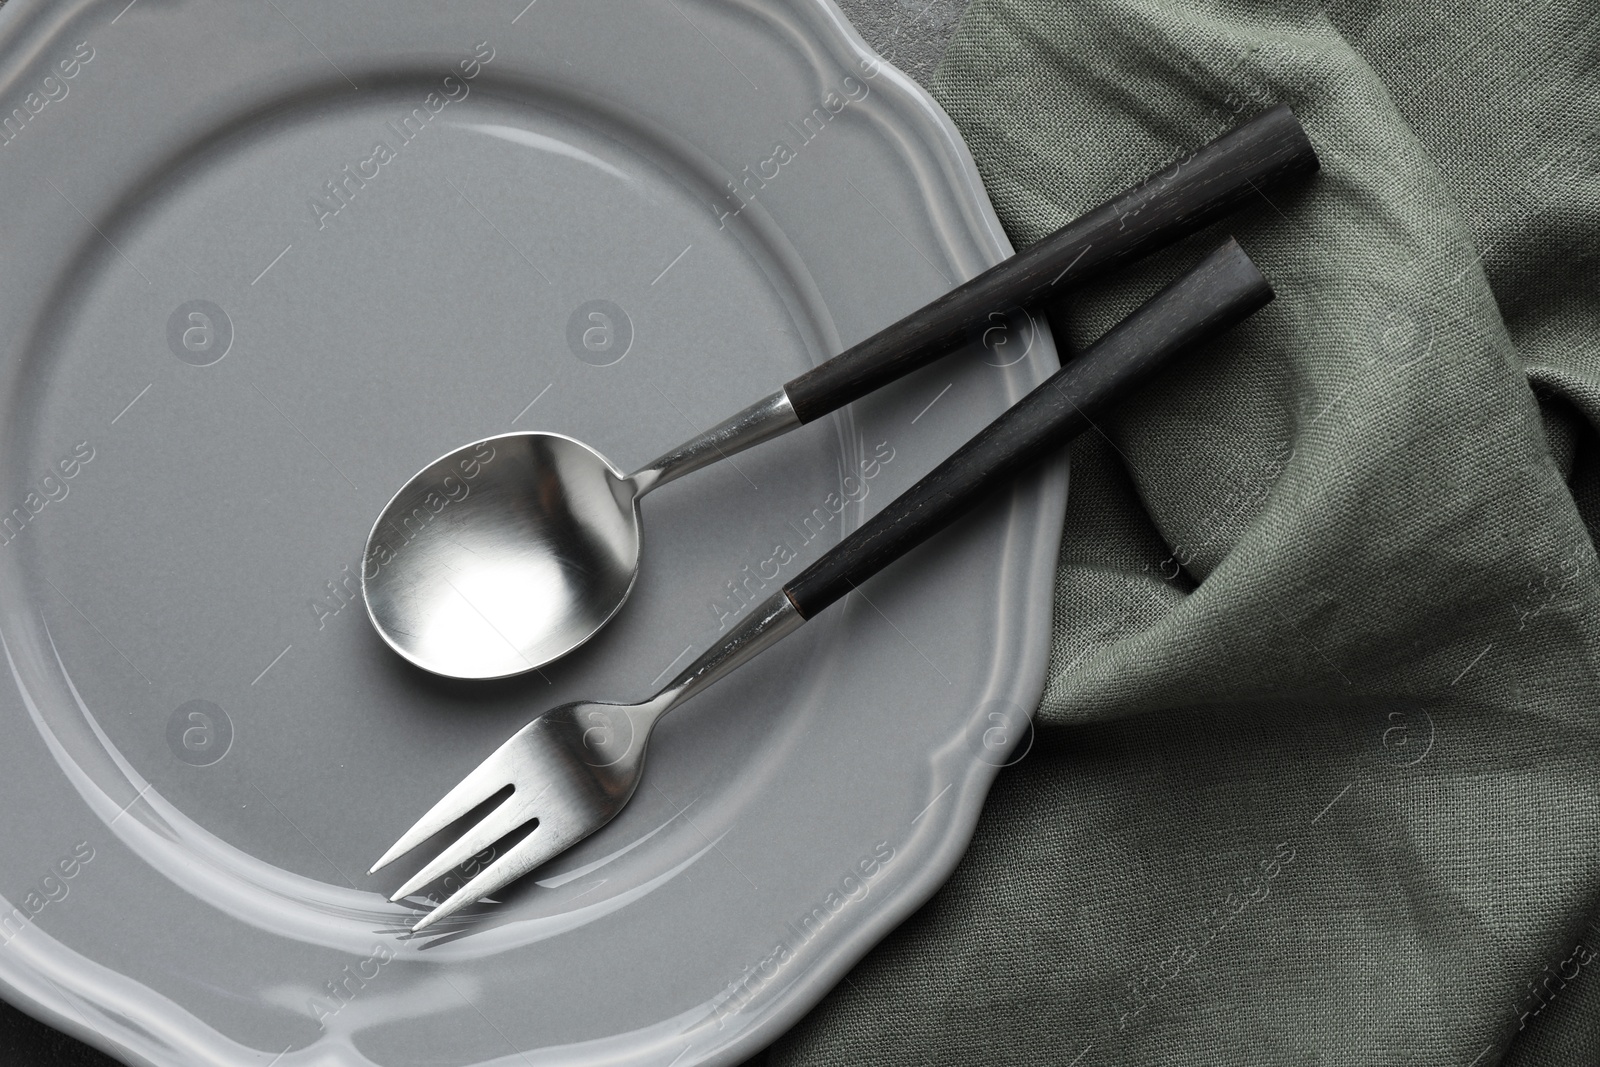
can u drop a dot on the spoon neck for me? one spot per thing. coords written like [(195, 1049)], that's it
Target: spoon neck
[(766, 418)]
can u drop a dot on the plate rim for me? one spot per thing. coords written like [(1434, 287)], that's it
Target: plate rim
[(1033, 548)]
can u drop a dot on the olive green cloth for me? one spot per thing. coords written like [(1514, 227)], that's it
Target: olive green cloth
[(1315, 774)]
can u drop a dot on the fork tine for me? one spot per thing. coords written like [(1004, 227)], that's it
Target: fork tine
[(543, 844), (488, 778), (512, 813)]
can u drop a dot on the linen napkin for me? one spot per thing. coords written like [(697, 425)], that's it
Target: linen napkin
[(1315, 775)]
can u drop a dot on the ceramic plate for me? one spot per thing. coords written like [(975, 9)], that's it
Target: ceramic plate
[(266, 258)]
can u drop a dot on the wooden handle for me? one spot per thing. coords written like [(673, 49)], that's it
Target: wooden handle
[(1225, 288), (1241, 164)]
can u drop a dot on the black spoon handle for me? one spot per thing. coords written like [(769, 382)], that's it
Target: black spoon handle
[(1225, 288), (1242, 163)]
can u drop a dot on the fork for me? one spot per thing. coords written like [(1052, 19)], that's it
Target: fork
[(573, 768)]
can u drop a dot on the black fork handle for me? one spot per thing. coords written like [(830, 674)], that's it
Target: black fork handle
[(1268, 149), (1223, 289)]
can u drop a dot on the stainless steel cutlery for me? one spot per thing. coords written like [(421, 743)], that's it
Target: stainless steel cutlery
[(571, 769), (541, 549)]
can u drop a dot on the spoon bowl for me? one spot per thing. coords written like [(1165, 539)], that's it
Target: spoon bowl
[(502, 555)]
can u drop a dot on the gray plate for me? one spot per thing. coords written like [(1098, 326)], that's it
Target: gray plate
[(224, 350)]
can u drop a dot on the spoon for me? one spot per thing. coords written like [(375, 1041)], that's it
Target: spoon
[(512, 551)]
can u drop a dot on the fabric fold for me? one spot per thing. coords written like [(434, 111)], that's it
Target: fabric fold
[(1315, 772)]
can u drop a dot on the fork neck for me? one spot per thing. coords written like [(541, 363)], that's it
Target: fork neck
[(769, 622)]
